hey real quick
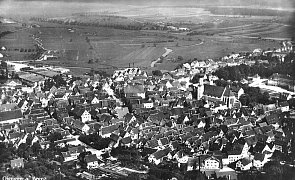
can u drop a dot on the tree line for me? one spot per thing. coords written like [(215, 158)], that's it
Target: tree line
[(237, 73)]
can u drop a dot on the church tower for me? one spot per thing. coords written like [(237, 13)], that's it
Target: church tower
[(200, 87)]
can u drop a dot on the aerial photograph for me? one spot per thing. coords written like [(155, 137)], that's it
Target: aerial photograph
[(147, 89)]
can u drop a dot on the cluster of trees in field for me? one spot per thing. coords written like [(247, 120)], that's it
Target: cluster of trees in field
[(95, 141), (236, 73), (253, 95)]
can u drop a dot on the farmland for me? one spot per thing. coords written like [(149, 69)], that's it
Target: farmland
[(137, 35)]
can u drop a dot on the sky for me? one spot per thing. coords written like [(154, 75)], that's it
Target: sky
[(23, 8)]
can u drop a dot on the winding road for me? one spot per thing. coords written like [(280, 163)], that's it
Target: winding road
[(163, 55)]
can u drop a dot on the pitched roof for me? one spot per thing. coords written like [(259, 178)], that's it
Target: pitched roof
[(252, 140), (228, 92), (259, 156), (235, 152), (152, 143), (126, 140), (31, 77), (245, 161), (78, 124), (134, 89), (9, 115), (30, 129), (66, 154), (156, 118), (108, 129), (15, 135), (259, 147), (91, 158), (114, 137), (272, 118), (161, 153), (7, 107), (214, 91), (77, 149), (283, 104), (164, 141)]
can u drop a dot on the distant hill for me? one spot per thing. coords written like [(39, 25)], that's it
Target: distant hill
[(273, 3)]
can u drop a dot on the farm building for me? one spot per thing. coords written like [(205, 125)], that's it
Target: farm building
[(32, 79)]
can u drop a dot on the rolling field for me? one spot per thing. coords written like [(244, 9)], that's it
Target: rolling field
[(86, 45), (19, 44), (141, 57)]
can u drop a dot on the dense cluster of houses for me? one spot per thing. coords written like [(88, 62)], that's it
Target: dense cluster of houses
[(168, 118)]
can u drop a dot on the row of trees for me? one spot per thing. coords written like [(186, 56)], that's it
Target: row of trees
[(4, 33), (57, 81), (95, 140)]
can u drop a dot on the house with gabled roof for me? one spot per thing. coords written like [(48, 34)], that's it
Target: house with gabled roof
[(106, 131), (80, 126), (67, 156), (156, 118), (272, 118), (126, 141), (73, 153), (85, 116), (269, 107), (82, 113), (68, 120), (121, 112), (251, 140), (157, 157), (17, 163), (94, 127), (284, 106), (10, 116), (213, 162), (244, 164), (13, 137), (129, 118), (280, 145), (92, 161), (163, 141), (259, 160), (95, 100), (235, 155), (153, 144)]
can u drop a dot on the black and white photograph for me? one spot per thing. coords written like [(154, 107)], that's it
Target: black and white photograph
[(147, 89)]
